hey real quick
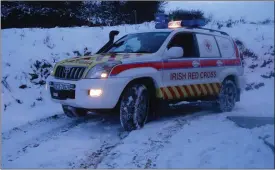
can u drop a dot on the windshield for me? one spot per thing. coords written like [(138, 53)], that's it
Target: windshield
[(148, 42)]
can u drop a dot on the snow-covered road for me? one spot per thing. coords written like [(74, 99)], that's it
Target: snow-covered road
[(199, 140), (60, 142)]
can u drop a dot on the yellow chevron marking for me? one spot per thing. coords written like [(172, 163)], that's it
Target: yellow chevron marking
[(168, 93), (190, 91), (216, 88), (176, 91), (203, 89), (159, 93), (197, 89), (210, 89), (183, 91)]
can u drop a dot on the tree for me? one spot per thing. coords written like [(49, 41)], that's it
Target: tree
[(23, 14), (180, 14)]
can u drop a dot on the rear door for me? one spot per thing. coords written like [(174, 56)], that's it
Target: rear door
[(230, 56), (211, 64)]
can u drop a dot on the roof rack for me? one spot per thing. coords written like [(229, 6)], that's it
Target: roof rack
[(211, 30)]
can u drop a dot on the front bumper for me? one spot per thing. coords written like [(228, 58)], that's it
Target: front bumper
[(111, 87)]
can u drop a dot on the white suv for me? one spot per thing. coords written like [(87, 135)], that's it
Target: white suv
[(141, 69)]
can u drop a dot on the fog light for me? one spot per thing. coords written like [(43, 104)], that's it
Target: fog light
[(95, 92), (103, 75)]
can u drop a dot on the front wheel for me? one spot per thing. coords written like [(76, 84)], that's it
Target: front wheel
[(227, 97), (134, 107)]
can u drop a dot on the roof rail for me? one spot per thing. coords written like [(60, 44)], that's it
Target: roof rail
[(211, 30)]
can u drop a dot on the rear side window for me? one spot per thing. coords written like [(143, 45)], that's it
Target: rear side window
[(226, 47), (207, 46)]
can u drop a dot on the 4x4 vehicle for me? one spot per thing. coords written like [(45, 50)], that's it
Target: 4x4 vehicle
[(140, 69)]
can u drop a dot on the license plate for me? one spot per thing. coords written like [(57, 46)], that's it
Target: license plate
[(62, 86)]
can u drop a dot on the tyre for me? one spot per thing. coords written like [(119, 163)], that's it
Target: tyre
[(134, 107), (227, 96), (74, 112)]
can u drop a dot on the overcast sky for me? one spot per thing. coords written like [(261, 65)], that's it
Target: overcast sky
[(251, 10)]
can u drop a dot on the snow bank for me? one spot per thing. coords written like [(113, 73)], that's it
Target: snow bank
[(21, 48)]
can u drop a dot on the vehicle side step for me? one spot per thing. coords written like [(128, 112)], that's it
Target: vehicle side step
[(191, 103)]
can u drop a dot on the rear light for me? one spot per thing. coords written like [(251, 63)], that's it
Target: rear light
[(238, 54), (236, 50)]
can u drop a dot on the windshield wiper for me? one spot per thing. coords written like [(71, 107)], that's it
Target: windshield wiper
[(142, 51)]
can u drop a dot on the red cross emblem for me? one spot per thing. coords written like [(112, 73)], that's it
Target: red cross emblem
[(208, 45)]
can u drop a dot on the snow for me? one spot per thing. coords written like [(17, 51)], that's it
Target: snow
[(200, 140), (243, 9), (216, 143), (207, 142), (33, 44)]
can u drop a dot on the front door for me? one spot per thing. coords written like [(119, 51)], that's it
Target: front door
[(180, 76)]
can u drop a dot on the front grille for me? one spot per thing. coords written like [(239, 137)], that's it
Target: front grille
[(69, 72)]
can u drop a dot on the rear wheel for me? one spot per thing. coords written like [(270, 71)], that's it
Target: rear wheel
[(74, 112), (134, 107), (227, 97)]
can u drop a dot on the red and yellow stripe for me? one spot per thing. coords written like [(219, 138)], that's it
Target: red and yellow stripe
[(186, 91)]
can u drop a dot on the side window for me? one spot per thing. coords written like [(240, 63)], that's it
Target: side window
[(226, 47), (207, 46), (186, 41)]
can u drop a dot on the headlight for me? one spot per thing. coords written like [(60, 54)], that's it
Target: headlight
[(102, 70)]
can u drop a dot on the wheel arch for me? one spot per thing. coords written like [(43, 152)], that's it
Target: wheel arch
[(148, 81), (234, 78)]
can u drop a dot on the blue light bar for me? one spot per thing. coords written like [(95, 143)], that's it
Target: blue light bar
[(161, 18), (162, 22)]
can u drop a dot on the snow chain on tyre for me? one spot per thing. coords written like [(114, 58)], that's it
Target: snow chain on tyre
[(227, 97), (134, 107)]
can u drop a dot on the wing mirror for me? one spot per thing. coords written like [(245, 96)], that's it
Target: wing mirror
[(174, 52)]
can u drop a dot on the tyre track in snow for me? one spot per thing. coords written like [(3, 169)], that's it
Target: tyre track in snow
[(24, 128), (98, 140), (157, 144), (144, 150), (84, 142), (40, 132), (144, 155), (93, 159)]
